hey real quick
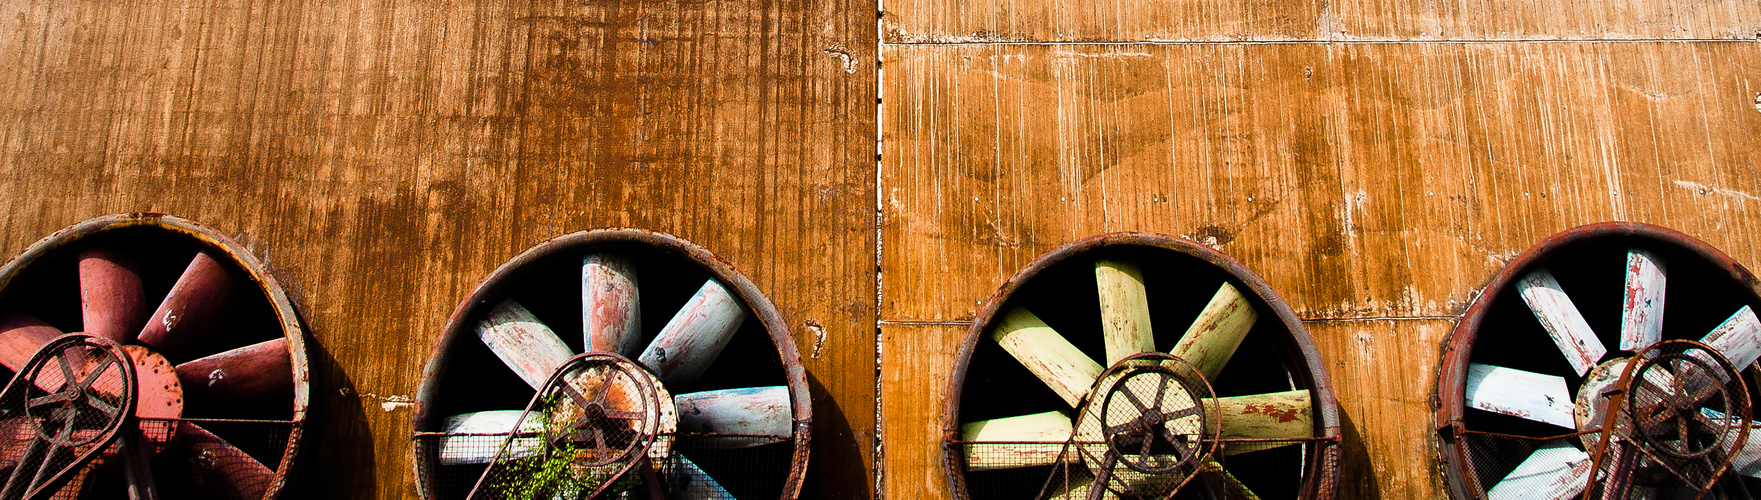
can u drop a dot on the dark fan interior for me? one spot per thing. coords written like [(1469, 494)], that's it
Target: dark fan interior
[(476, 380), (49, 289), (1698, 297), (1178, 287)]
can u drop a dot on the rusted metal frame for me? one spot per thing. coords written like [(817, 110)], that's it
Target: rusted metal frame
[(1326, 439), (36, 444), (218, 420), (1233, 440), (500, 283), (423, 434), (293, 329), (1617, 400), (1300, 350), (1532, 438), (1452, 376)]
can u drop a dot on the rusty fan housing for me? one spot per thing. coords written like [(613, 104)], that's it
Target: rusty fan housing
[(1060, 287), (250, 337), (1482, 445), (465, 376)]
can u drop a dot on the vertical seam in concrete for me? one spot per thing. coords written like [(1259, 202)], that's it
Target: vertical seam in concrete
[(879, 468)]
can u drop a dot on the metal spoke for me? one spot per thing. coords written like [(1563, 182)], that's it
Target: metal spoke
[(1128, 425), (1705, 393), (1149, 438), (93, 377), (1182, 413), (66, 371), (604, 390), (51, 399), (1161, 390), (1180, 448), (109, 410), (68, 415), (1681, 430), (1131, 395)]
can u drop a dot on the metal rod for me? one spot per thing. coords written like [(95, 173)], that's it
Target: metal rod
[(135, 460)]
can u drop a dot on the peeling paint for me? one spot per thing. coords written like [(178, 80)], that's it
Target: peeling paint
[(818, 337), (389, 403), (837, 50), (1703, 189), (1283, 414)]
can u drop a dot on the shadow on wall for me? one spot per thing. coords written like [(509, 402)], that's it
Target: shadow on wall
[(828, 476), (1357, 476), (337, 440)]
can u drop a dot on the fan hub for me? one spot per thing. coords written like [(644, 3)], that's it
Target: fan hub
[(1590, 408), (158, 394)]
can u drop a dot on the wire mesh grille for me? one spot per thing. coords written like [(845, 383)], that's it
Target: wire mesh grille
[(1008, 469), (706, 466), (738, 469), (69, 402), (1151, 428), (594, 422), (192, 458), (1492, 456)]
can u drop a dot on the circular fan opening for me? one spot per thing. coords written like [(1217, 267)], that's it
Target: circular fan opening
[(217, 346), (1522, 411), (710, 456), (1012, 427)]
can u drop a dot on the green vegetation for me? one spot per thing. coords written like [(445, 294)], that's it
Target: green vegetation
[(557, 471)]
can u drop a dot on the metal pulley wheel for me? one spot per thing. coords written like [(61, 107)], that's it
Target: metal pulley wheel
[(73, 396), (1607, 356), (187, 352), (1211, 388), (688, 384)]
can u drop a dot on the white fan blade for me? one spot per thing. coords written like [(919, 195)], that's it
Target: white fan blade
[(1738, 339), (475, 438), (1217, 332), (695, 335), (1015, 437), (1556, 471), (525, 344), (611, 312), (1641, 313), (753, 410), (689, 481), (1125, 309), (1044, 352), (1530, 395), (1287, 414), (1562, 320)]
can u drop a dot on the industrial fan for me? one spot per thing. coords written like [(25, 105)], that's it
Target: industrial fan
[(181, 375), (1536, 404), (687, 383), (1211, 388)]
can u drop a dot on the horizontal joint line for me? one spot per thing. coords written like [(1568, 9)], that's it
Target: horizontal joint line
[(1335, 42), (1378, 318), (911, 322)]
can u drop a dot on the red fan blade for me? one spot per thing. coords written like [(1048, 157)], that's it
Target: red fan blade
[(192, 309), (21, 335), (253, 374), (222, 471), (111, 298)]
